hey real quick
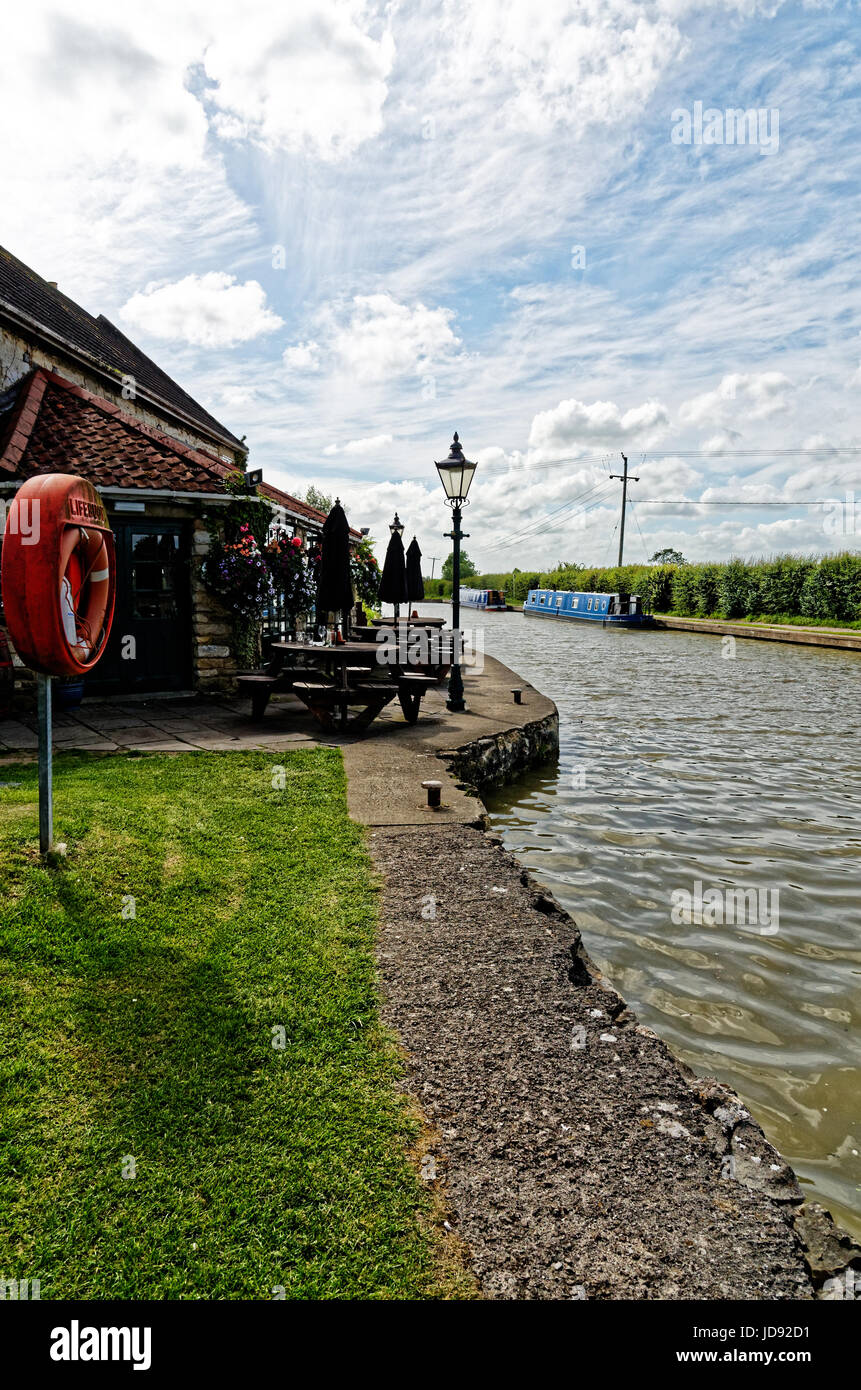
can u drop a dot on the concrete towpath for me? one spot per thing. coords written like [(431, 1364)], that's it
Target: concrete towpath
[(846, 638), (385, 773)]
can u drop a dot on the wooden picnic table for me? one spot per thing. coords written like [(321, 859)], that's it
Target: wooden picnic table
[(339, 656), (409, 622), (369, 634), (330, 703)]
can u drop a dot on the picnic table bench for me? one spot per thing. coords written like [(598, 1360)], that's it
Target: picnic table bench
[(331, 697)]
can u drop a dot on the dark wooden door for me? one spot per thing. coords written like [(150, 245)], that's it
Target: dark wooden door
[(150, 642)]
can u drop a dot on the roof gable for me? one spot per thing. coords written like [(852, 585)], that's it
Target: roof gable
[(58, 427), (45, 307)]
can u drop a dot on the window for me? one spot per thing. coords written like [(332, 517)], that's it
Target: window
[(589, 605), (154, 574)]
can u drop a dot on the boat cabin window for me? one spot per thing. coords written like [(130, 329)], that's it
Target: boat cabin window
[(543, 598), (589, 606), (558, 600), (576, 603)]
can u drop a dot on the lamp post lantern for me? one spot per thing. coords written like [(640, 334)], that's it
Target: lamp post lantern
[(456, 474)]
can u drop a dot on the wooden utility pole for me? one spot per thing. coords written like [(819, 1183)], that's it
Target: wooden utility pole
[(623, 479)]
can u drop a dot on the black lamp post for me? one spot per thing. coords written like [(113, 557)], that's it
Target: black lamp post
[(397, 528), (456, 474)]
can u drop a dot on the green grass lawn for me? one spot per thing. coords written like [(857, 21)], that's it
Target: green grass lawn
[(149, 1037)]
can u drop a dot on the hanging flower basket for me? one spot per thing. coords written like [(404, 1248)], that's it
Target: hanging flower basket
[(291, 574), (238, 574)]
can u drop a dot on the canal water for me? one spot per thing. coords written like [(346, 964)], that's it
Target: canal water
[(683, 762)]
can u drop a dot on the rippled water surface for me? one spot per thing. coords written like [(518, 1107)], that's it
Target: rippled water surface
[(678, 764)]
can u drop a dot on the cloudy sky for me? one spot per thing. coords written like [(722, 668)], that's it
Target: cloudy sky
[(351, 228)]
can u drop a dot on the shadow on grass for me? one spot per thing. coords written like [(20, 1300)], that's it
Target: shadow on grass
[(211, 1102)]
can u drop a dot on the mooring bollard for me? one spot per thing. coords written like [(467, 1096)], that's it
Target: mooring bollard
[(434, 791), (518, 696)]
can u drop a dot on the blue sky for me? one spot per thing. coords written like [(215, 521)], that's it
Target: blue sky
[(349, 229)]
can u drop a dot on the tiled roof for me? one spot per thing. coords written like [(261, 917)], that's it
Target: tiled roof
[(22, 290), (58, 427), (292, 504)]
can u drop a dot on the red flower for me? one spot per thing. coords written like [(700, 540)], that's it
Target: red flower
[(296, 543)]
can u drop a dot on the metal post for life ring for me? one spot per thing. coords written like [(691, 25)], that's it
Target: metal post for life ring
[(46, 776)]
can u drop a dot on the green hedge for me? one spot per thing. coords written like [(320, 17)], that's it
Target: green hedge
[(437, 588), (789, 586)]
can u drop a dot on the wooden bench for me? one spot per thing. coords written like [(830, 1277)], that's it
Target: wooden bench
[(259, 687), (411, 688), (329, 703), (261, 684)]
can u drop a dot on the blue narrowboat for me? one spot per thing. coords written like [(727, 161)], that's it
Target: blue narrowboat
[(491, 599), (611, 610)]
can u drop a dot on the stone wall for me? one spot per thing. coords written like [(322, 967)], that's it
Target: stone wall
[(214, 663), (497, 759)]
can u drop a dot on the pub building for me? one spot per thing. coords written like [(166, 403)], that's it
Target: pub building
[(77, 396)]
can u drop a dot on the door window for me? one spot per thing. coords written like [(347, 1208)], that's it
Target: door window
[(154, 572)]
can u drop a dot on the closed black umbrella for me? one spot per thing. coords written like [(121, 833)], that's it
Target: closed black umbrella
[(393, 584), (334, 582), (415, 583)]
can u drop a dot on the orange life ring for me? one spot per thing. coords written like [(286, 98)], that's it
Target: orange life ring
[(58, 575)]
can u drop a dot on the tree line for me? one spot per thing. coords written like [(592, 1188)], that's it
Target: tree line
[(818, 589)]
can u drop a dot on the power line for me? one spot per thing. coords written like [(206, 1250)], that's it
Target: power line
[(581, 511), (726, 502), (639, 528), (686, 454), (536, 526)]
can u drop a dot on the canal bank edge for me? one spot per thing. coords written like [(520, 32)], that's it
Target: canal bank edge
[(846, 639), (431, 938)]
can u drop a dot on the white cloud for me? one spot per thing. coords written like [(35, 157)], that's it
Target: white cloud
[(109, 173), (573, 421), (303, 76), (569, 63), (740, 395), (210, 311), (724, 439), (302, 357), (385, 338), (358, 447)]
